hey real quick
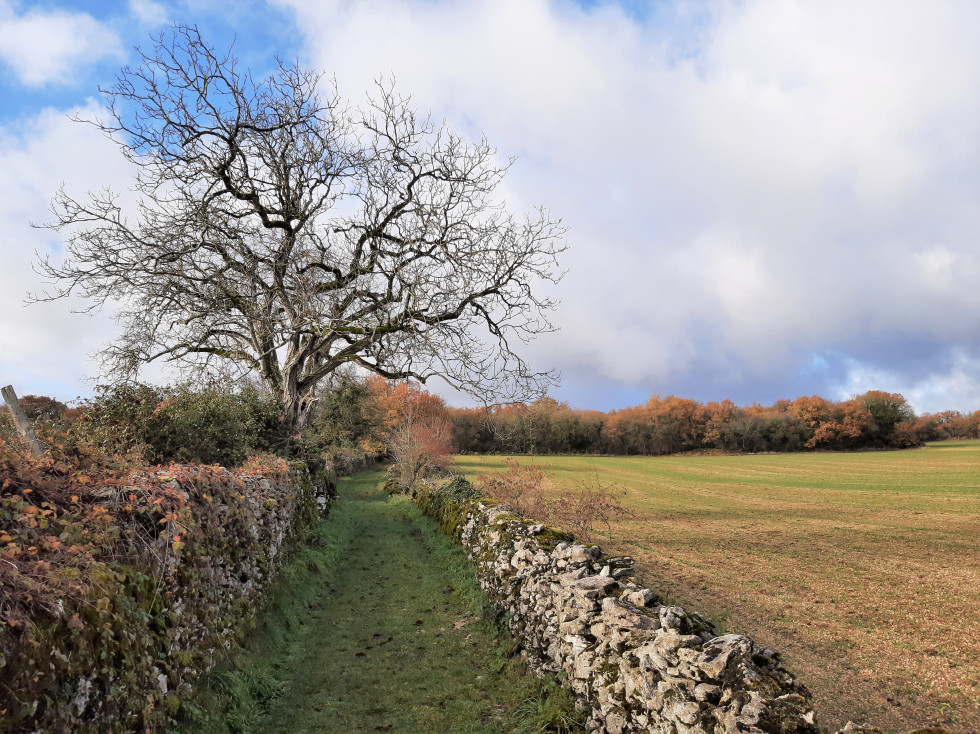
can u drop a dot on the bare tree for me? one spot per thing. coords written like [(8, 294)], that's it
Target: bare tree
[(289, 235)]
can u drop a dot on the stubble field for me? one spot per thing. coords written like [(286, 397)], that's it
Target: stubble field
[(862, 568)]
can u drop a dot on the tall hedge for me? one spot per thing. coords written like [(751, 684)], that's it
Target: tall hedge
[(117, 592)]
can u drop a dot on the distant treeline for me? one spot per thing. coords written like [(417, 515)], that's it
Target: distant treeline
[(372, 417), (668, 425)]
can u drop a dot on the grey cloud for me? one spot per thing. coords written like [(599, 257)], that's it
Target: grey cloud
[(799, 180)]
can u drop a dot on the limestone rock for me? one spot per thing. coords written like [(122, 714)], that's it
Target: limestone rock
[(641, 597)]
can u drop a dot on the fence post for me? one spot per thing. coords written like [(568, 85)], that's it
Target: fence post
[(23, 425)]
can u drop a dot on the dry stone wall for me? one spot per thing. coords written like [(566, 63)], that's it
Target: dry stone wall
[(636, 664), (217, 592), (199, 571)]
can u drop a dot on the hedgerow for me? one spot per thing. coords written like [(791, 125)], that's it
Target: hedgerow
[(205, 425), (118, 586)]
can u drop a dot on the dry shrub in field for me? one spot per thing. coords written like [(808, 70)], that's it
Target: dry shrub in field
[(522, 486), (594, 503)]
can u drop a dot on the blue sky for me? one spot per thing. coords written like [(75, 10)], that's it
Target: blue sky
[(765, 199)]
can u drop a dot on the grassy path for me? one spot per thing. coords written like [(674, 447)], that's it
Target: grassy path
[(379, 629)]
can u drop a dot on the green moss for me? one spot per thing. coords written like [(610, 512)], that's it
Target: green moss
[(783, 716), (550, 537), (609, 671)]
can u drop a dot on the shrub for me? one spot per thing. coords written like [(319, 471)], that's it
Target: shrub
[(212, 425), (906, 434), (522, 487), (346, 416), (458, 489), (420, 449), (40, 407), (7, 431)]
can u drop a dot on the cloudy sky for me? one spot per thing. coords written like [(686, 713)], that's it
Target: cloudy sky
[(765, 198)]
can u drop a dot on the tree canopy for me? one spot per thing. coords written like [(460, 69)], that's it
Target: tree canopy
[(288, 234)]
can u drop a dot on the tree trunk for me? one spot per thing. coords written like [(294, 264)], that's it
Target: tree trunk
[(297, 409)]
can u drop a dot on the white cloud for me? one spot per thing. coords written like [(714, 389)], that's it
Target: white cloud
[(148, 12), (747, 184), (43, 347), (49, 46), (954, 387), (800, 178)]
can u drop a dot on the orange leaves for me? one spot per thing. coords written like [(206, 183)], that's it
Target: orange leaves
[(665, 425), (168, 518), (265, 465), (660, 426), (111, 550), (417, 430), (402, 400)]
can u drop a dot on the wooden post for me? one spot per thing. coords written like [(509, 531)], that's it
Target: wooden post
[(23, 425)]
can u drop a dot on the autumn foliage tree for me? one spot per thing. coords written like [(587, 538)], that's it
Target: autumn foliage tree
[(43, 408), (416, 427), (667, 425), (949, 424)]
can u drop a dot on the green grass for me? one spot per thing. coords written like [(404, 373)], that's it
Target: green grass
[(863, 567), (378, 625)]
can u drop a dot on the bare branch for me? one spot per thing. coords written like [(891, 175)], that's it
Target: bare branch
[(292, 235)]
